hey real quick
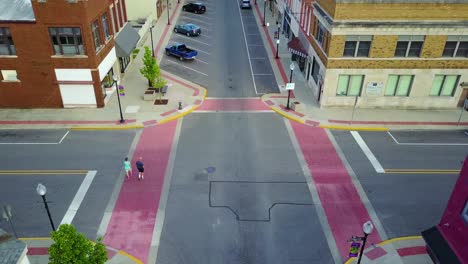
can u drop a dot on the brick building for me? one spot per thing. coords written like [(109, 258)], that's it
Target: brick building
[(381, 53), (61, 53)]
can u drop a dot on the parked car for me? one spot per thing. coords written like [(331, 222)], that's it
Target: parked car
[(181, 51), (197, 8), (245, 4), (188, 29)]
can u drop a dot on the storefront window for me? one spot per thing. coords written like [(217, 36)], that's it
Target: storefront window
[(465, 213), (107, 82)]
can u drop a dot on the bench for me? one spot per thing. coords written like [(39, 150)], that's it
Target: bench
[(163, 89)]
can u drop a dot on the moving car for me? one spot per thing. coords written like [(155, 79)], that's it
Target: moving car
[(245, 4), (188, 29), (197, 8), (181, 51)]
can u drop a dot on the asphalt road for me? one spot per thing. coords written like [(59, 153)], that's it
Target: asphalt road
[(102, 151), (232, 61), (238, 195), (406, 203)]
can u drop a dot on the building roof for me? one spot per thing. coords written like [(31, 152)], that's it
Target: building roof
[(401, 1), (16, 10)]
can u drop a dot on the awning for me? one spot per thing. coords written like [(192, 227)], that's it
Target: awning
[(126, 41), (295, 46)]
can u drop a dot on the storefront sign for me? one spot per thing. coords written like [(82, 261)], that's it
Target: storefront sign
[(354, 249), (121, 90), (290, 86), (374, 88)]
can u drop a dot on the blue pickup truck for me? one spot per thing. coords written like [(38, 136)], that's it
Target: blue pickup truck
[(181, 51)]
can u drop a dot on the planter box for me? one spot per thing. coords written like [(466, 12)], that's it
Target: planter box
[(149, 95)]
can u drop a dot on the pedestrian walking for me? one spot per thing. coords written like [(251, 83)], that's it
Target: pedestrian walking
[(141, 168), (128, 168)]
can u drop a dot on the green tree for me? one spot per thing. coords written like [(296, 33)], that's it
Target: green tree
[(151, 70), (71, 247)]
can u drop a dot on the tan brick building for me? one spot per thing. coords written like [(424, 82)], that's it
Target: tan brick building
[(60, 53), (387, 53)]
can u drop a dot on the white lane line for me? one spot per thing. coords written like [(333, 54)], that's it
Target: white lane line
[(195, 18), (247, 49), (60, 142), (190, 20), (188, 68), (426, 144), (37, 143), (322, 217), (194, 40), (207, 53), (357, 184), (79, 196), (201, 61), (160, 216), (373, 160)]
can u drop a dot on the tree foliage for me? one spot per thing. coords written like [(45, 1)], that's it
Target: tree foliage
[(71, 247), (151, 70)]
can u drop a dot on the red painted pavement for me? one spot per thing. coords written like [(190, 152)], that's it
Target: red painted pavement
[(376, 253), (343, 207), (237, 104), (132, 222), (410, 251), (163, 36), (195, 90), (38, 251)]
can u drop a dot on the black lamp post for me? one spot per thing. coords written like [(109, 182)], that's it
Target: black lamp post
[(151, 33), (367, 227), (42, 190), (264, 9), (277, 47), (167, 6), (291, 67), (255, 1), (122, 120)]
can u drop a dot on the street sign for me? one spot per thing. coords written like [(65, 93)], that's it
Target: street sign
[(290, 86)]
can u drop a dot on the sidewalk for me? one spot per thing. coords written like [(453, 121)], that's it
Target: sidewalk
[(136, 111), (38, 252), (308, 111), (402, 250)]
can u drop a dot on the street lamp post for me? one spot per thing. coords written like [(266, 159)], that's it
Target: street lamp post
[(122, 120), (255, 2), (42, 190), (151, 33), (277, 47), (367, 227), (167, 7), (291, 67), (264, 9)]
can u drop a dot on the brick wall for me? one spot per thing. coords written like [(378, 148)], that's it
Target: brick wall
[(383, 46), (433, 46), (397, 64), (35, 61), (336, 48)]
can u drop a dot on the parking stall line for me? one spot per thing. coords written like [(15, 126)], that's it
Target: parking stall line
[(263, 74), (195, 17), (370, 156), (207, 53), (201, 61), (188, 68), (259, 58), (194, 40), (197, 21)]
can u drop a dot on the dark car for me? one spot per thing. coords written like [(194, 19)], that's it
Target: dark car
[(197, 8), (188, 29), (245, 4)]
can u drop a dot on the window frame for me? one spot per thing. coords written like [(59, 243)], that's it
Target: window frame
[(398, 85), (96, 34), (8, 39), (443, 83), (410, 40), (350, 77), (457, 40), (75, 36), (320, 29), (358, 40), (105, 26)]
